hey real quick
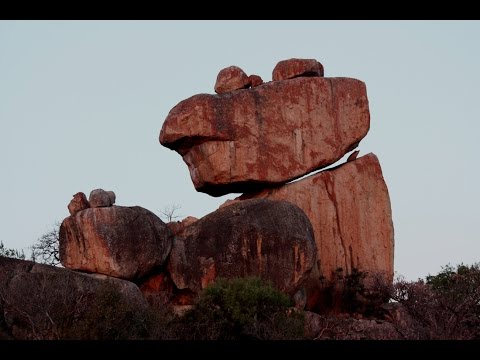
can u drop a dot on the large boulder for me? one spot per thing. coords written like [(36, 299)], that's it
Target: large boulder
[(45, 302), (245, 140), (269, 239), (124, 242), (349, 208)]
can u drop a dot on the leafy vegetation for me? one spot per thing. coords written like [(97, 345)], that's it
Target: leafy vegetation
[(242, 308), (12, 253)]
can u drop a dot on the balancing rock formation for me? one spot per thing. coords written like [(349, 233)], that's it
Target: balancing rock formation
[(258, 140), (246, 140), (119, 241)]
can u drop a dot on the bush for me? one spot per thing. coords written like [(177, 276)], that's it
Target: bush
[(445, 306), (242, 308)]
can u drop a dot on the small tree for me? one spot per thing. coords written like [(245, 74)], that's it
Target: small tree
[(46, 249), (168, 214), (11, 253)]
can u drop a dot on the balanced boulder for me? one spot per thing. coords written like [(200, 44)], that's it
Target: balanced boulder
[(124, 242), (231, 78), (101, 198), (292, 68), (78, 203), (268, 135)]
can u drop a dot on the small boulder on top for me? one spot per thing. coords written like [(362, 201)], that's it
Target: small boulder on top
[(292, 68), (101, 198), (255, 80), (231, 78), (78, 203)]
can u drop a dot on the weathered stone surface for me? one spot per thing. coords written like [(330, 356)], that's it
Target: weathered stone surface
[(157, 289), (255, 80), (292, 68), (78, 203), (268, 135), (45, 302), (125, 242), (112, 196), (231, 78), (270, 239), (349, 208), (100, 198), (177, 227)]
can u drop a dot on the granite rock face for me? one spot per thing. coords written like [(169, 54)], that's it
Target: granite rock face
[(268, 135), (269, 239), (124, 242), (349, 208)]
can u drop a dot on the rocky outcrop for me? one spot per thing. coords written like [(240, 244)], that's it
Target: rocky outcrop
[(101, 198), (78, 203), (270, 239), (46, 302), (231, 78), (292, 68), (268, 135), (124, 242), (349, 208)]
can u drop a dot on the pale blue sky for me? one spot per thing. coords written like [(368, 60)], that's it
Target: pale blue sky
[(82, 104)]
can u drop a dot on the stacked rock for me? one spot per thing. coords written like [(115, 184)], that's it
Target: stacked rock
[(123, 242), (257, 140)]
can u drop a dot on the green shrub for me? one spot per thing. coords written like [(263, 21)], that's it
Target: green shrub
[(241, 308)]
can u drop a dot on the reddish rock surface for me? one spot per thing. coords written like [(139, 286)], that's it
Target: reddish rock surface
[(268, 135), (270, 239), (38, 300), (177, 227), (124, 242), (349, 208), (255, 80), (231, 78), (78, 203), (292, 68), (157, 289)]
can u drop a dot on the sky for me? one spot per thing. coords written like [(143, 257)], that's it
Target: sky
[(82, 104)]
